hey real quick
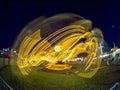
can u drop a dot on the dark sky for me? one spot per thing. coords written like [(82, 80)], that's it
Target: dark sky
[(15, 15)]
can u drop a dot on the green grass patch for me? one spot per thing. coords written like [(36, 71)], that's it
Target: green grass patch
[(44, 80)]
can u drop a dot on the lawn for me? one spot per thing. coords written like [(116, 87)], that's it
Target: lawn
[(43, 80)]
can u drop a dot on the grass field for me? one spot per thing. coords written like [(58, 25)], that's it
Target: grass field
[(41, 80)]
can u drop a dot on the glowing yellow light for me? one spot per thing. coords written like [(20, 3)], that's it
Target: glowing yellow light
[(58, 48), (63, 45)]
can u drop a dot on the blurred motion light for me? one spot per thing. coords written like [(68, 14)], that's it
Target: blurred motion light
[(58, 43)]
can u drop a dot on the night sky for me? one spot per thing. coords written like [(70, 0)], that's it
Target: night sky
[(15, 15)]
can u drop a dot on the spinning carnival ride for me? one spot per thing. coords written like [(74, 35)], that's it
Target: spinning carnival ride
[(65, 42)]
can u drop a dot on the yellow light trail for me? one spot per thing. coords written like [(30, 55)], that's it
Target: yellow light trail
[(62, 45)]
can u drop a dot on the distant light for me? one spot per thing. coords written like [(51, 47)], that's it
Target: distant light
[(113, 26)]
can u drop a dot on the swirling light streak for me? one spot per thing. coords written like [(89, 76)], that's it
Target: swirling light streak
[(47, 50)]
